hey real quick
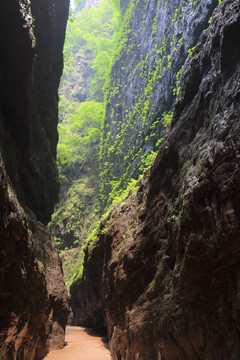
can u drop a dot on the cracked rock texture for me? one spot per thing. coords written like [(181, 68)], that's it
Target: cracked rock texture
[(167, 281), (33, 297)]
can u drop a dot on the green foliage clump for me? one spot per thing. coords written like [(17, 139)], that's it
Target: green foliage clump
[(117, 196), (79, 133), (90, 40), (72, 262), (76, 214), (93, 33), (190, 51), (166, 117), (147, 161)]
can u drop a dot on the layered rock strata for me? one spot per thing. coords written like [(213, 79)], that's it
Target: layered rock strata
[(33, 297), (166, 282)]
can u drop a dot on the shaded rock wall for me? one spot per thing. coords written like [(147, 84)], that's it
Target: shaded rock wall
[(145, 79), (170, 275), (33, 297), (30, 69)]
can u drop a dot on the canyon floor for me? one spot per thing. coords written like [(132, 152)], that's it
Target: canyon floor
[(82, 343)]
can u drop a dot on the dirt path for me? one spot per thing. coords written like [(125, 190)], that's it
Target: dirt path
[(82, 344)]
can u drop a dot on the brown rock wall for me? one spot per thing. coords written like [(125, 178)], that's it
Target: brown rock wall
[(33, 297), (170, 276)]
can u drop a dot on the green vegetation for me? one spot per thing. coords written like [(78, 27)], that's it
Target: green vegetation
[(117, 201), (76, 214), (190, 51), (72, 261), (92, 34), (90, 40), (77, 137), (102, 133), (133, 129)]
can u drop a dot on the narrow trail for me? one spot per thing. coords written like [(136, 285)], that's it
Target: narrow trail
[(82, 344)]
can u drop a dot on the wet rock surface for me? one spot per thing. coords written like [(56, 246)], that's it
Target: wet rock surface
[(33, 297), (168, 279)]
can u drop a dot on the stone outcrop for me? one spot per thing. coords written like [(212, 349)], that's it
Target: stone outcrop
[(166, 280), (33, 297)]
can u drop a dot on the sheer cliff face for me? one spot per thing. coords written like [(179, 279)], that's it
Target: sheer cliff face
[(30, 69), (169, 256), (33, 306), (157, 36), (33, 297)]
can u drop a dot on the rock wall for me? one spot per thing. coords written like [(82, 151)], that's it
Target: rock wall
[(30, 70), (156, 39), (167, 278), (33, 297)]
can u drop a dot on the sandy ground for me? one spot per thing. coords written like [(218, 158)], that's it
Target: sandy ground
[(82, 344)]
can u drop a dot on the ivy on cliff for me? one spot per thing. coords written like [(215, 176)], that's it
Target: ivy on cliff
[(100, 40), (133, 128)]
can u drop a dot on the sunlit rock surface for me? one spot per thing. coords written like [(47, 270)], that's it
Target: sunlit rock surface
[(33, 297), (157, 37), (167, 277)]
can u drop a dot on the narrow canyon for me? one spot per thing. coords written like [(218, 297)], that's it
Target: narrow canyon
[(120, 186), (82, 343)]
